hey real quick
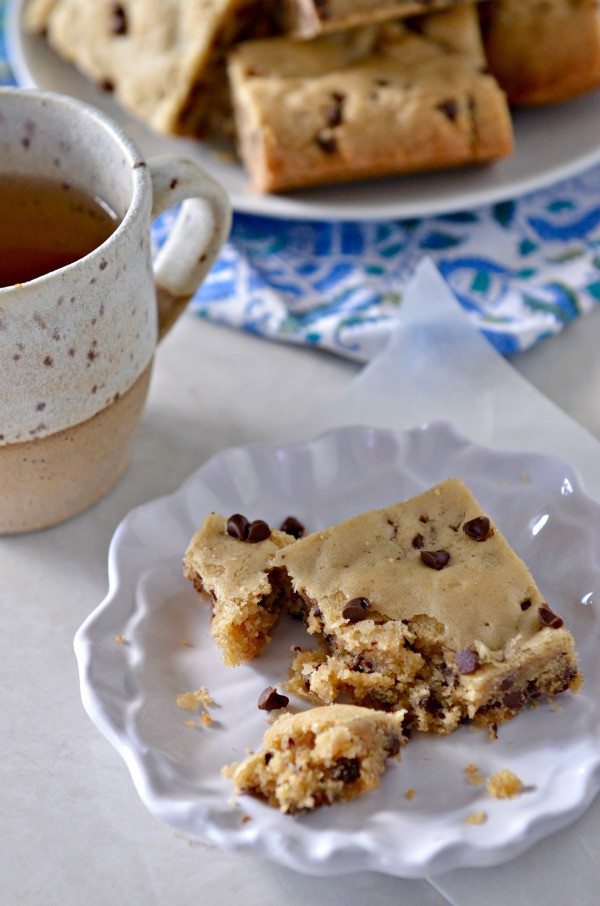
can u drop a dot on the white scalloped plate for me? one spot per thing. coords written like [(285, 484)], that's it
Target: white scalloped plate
[(129, 689)]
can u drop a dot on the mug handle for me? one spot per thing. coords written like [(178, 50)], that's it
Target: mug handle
[(198, 233)]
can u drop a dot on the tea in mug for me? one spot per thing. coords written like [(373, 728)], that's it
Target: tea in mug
[(45, 225)]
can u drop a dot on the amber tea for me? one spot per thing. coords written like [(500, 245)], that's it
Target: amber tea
[(45, 225)]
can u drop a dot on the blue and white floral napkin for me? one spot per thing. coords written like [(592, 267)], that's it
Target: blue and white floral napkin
[(522, 269)]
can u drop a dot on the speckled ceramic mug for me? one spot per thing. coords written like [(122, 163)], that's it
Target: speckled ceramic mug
[(76, 345)]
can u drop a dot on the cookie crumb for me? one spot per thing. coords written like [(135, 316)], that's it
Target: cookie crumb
[(409, 794), (245, 819), (476, 818), (473, 775), (189, 723), (191, 701), (187, 644), (120, 639), (206, 719), (504, 784)]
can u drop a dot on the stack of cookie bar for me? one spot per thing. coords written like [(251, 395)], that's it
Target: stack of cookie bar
[(321, 91)]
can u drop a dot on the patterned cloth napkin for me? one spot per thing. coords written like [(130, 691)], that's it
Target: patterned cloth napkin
[(522, 269)]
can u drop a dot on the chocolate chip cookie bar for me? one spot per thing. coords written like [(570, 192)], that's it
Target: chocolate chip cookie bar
[(319, 756), (543, 51), (165, 62), (423, 606), (230, 562), (308, 18), (367, 103)]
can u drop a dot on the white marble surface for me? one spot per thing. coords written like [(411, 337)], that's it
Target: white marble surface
[(72, 828)]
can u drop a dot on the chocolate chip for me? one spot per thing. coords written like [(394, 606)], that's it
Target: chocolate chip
[(514, 700), (258, 530), (270, 700), (118, 20), (479, 529), (237, 526), (268, 756), (526, 604), (292, 526), (430, 704), (418, 541), (326, 143), (507, 682), (333, 113), (466, 661), (547, 618), (356, 610), (346, 769), (394, 746), (435, 559), (449, 108)]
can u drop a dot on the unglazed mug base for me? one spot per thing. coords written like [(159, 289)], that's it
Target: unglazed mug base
[(51, 479)]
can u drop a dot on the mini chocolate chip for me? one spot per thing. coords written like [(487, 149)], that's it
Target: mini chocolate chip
[(268, 756), (270, 700), (449, 108), (326, 143), (478, 529), (258, 530), (292, 526), (514, 700), (118, 20), (346, 769), (356, 609), (418, 541), (507, 682), (430, 704), (547, 618), (526, 604), (466, 661), (423, 518), (435, 559), (237, 526), (333, 113), (394, 746)]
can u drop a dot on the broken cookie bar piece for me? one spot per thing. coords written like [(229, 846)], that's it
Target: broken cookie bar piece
[(424, 606), (308, 18), (230, 561), (563, 60), (365, 103), (164, 61), (319, 756)]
